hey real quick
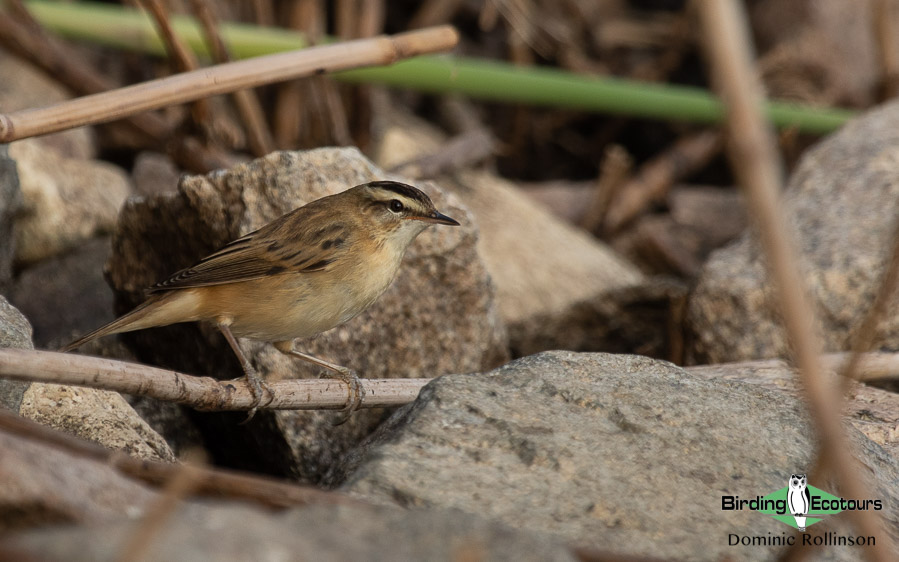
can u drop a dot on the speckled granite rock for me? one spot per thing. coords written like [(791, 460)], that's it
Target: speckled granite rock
[(604, 450), (65, 200), (842, 203), (15, 331)]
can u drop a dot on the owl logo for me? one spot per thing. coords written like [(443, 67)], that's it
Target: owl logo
[(798, 498)]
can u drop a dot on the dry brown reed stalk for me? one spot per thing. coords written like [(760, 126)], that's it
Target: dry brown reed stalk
[(179, 53), (306, 16), (201, 393), (752, 149), (221, 79), (258, 136), (21, 34)]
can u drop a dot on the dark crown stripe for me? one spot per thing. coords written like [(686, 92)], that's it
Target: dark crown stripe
[(402, 189)]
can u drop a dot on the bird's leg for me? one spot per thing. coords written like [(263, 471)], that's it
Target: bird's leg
[(255, 382), (356, 392)]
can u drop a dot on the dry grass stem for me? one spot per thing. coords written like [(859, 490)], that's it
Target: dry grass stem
[(656, 177), (755, 161), (223, 78), (615, 168), (258, 135), (24, 36), (201, 393), (179, 53)]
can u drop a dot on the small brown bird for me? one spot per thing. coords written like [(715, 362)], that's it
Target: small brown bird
[(306, 272)]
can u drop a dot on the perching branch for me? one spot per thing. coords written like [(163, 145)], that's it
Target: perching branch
[(201, 393), (221, 79)]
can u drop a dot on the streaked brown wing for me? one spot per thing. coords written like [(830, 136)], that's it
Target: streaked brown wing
[(275, 248)]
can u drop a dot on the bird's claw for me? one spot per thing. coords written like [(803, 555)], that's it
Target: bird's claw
[(258, 389), (355, 394)]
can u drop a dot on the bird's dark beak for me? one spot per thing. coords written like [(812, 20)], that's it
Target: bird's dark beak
[(438, 218)]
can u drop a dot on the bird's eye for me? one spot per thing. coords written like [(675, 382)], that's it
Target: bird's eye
[(396, 206)]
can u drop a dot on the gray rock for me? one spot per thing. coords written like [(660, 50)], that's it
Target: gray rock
[(100, 416), (154, 173), (438, 316), (66, 200), (871, 410), (15, 331), (10, 204), (323, 532), (608, 451), (43, 484), (48, 292), (842, 203)]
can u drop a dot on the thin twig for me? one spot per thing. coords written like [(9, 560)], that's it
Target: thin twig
[(656, 177), (258, 135), (752, 150), (615, 168), (222, 79), (201, 393)]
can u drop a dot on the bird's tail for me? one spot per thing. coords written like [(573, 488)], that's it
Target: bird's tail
[(161, 309)]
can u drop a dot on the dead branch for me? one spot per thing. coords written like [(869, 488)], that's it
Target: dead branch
[(221, 79), (755, 161), (656, 177), (201, 393)]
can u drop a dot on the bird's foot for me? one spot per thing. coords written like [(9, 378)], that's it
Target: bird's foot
[(355, 392), (258, 389)]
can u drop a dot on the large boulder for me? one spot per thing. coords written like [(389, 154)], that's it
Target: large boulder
[(608, 451), (439, 316), (842, 203), (66, 201)]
